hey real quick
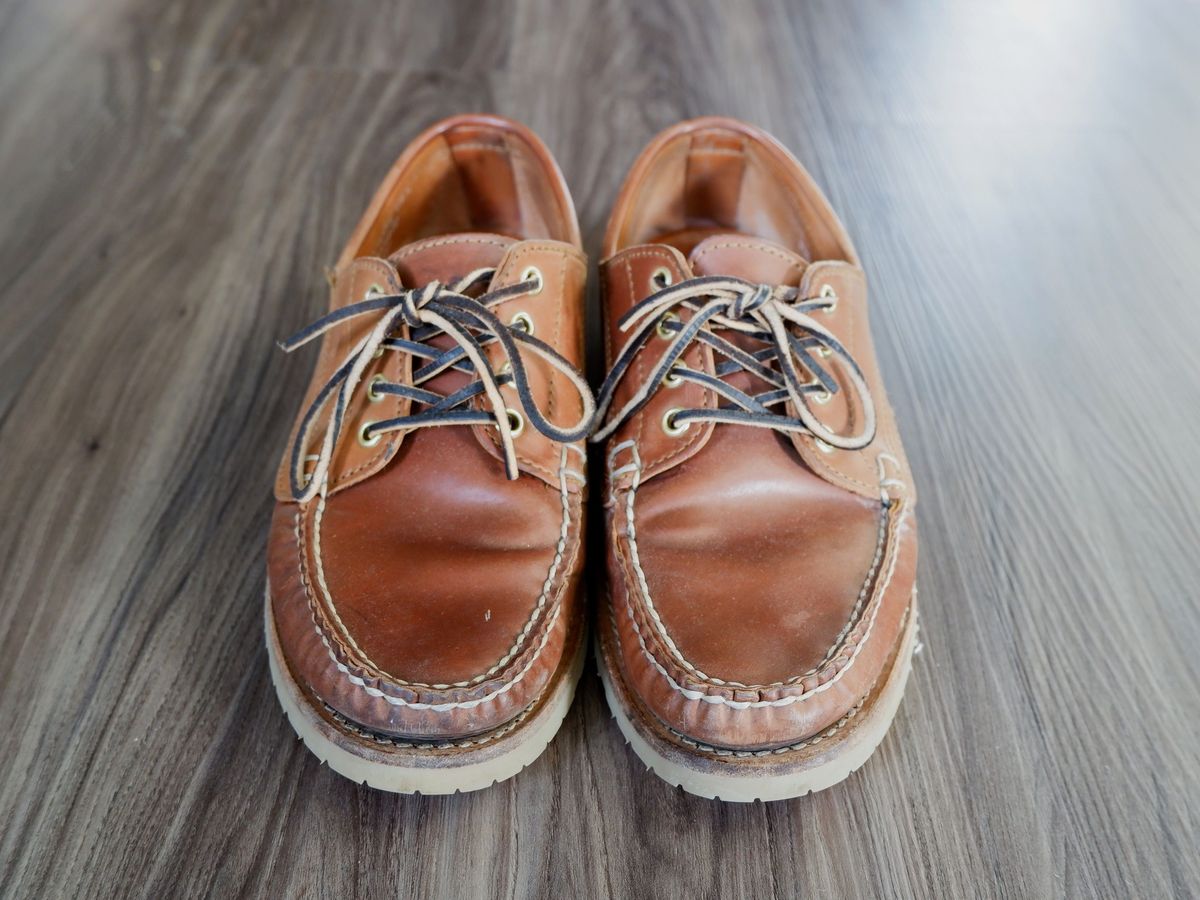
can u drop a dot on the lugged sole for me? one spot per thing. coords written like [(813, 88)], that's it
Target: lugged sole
[(409, 767), (826, 759)]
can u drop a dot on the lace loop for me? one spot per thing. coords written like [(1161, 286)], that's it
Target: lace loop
[(775, 315), (429, 311)]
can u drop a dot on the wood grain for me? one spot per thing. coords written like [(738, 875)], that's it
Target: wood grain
[(1022, 183)]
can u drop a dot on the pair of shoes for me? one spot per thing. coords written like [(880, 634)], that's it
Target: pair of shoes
[(425, 614)]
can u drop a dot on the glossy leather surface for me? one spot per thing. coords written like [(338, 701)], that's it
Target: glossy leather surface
[(757, 582), (426, 595)]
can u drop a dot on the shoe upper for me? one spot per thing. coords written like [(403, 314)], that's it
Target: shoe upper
[(424, 552), (762, 544)]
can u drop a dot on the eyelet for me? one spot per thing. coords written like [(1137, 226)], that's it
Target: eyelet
[(822, 397), (829, 294), (663, 332), (672, 428), (364, 439), (529, 274), (672, 380), (824, 352), (522, 321), (506, 369), (372, 292), (372, 395), (822, 446), (661, 278), (516, 422)]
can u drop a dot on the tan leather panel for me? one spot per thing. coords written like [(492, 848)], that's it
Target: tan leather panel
[(757, 584), (352, 462), (556, 312), (436, 563), (628, 278), (774, 716), (855, 470), (423, 594), (322, 661)]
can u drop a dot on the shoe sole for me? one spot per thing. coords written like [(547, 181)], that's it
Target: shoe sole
[(745, 776), (407, 767)]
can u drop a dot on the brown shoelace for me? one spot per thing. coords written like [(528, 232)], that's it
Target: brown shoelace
[(777, 317), (430, 311)]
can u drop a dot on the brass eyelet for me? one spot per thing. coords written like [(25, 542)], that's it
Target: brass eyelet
[(372, 292), (824, 352), (506, 369), (516, 422), (529, 273), (661, 278), (672, 380), (822, 446), (372, 394), (368, 440), (672, 428), (522, 321), (830, 295), (663, 332), (822, 397)]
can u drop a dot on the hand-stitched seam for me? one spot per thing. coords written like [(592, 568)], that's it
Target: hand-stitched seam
[(744, 245), (566, 254), (318, 515), (442, 242), (740, 705), (560, 548), (562, 280), (829, 732), (775, 751), (665, 637), (479, 145), (813, 458), (367, 734), (639, 434), (385, 453), (639, 365), (660, 626), (461, 704)]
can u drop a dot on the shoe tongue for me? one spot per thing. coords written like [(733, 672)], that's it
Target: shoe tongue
[(744, 256), (446, 257)]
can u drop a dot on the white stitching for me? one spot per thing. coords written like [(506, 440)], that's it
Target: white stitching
[(374, 738), (750, 754), (794, 698), (717, 699), (631, 533), (462, 704), (788, 748), (316, 538)]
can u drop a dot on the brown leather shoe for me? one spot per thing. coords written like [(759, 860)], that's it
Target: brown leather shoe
[(762, 544), (423, 617)]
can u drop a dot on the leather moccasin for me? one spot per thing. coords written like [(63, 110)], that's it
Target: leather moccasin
[(423, 616), (762, 543)]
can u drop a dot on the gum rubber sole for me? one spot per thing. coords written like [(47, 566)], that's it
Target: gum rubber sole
[(404, 767), (826, 759)]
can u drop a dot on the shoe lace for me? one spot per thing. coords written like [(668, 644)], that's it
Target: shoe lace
[(430, 311), (778, 317)]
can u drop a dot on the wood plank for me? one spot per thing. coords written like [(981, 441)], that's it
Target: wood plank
[(1021, 182)]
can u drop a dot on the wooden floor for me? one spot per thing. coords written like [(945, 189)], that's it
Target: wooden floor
[(1023, 184)]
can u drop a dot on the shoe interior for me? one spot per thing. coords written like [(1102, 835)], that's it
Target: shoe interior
[(475, 174), (716, 177)]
